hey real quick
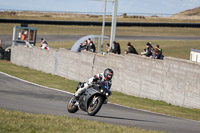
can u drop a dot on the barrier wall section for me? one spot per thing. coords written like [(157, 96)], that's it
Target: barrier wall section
[(172, 80)]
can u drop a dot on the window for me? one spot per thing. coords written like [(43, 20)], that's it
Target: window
[(31, 35)]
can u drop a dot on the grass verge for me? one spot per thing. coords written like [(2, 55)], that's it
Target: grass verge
[(7, 29), (117, 97), (172, 48), (14, 121)]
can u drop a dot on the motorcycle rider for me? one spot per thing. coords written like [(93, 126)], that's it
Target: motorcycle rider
[(105, 77)]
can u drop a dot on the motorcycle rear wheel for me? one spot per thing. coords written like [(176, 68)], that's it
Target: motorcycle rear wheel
[(71, 106), (94, 108)]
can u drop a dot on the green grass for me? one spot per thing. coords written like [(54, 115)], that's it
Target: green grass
[(154, 106), (7, 29), (14, 121), (38, 77), (172, 48), (117, 97), (57, 45)]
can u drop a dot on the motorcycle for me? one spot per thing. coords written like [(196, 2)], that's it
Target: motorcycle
[(91, 100)]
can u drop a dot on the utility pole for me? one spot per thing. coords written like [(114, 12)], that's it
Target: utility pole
[(114, 21), (103, 26)]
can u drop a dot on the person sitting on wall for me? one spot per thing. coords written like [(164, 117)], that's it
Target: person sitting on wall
[(131, 49), (83, 46), (44, 44), (108, 48), (152, 53), (90, 46), (1, 51), (143, 52), (158, 53), (148, 50), (117, 49), (27, 44)]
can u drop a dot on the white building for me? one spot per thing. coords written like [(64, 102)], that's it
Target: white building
[(195, 55)]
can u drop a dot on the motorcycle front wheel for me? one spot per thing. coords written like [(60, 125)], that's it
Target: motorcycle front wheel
[(71, 107), (95, 106)]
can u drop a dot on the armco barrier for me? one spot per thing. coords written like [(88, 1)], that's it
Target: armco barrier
[(175, 81)]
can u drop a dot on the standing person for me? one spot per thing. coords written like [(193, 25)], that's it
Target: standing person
[(23, 36), (90, 46), (131, 49), (1, 51), (117, 49)]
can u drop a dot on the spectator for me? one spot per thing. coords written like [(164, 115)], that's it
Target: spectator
[(144, 52), (1, 51), (0, 44), (44, 44), (131, 49), (108, 48), (27, 44), (117, 49), (152, 53), (83, 46), (148, 50), (158, 53), (90, 46), (23, 37)]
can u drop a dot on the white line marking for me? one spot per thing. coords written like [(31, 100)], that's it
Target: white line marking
[(73, 94), (36, 84)]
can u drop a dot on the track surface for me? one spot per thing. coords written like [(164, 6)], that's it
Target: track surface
[(7, 39), (22, 96)]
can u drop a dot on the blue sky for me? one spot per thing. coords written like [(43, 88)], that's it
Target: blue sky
[(125, 6)]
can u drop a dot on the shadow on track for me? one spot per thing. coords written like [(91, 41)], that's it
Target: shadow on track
[(121, 118)]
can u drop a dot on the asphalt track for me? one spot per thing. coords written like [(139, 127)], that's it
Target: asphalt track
[(7, 39), (23, 96)]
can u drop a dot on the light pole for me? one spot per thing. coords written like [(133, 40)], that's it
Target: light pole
[(114, 21), (103, 26)]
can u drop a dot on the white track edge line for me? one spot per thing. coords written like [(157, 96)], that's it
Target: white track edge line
[(36, 84), (73, 94)]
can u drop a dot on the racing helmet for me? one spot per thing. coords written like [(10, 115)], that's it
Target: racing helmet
[(108, 74)]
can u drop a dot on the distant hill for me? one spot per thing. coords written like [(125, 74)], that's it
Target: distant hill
[(188, 14)]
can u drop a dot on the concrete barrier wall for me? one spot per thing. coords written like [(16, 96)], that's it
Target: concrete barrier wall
[(175, 81), (182, 83), (75, 66), (34, 58)]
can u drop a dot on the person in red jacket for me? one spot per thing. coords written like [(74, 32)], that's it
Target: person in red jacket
[(23, 37)]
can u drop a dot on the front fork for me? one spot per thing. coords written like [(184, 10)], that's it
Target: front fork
[(94, 100)]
